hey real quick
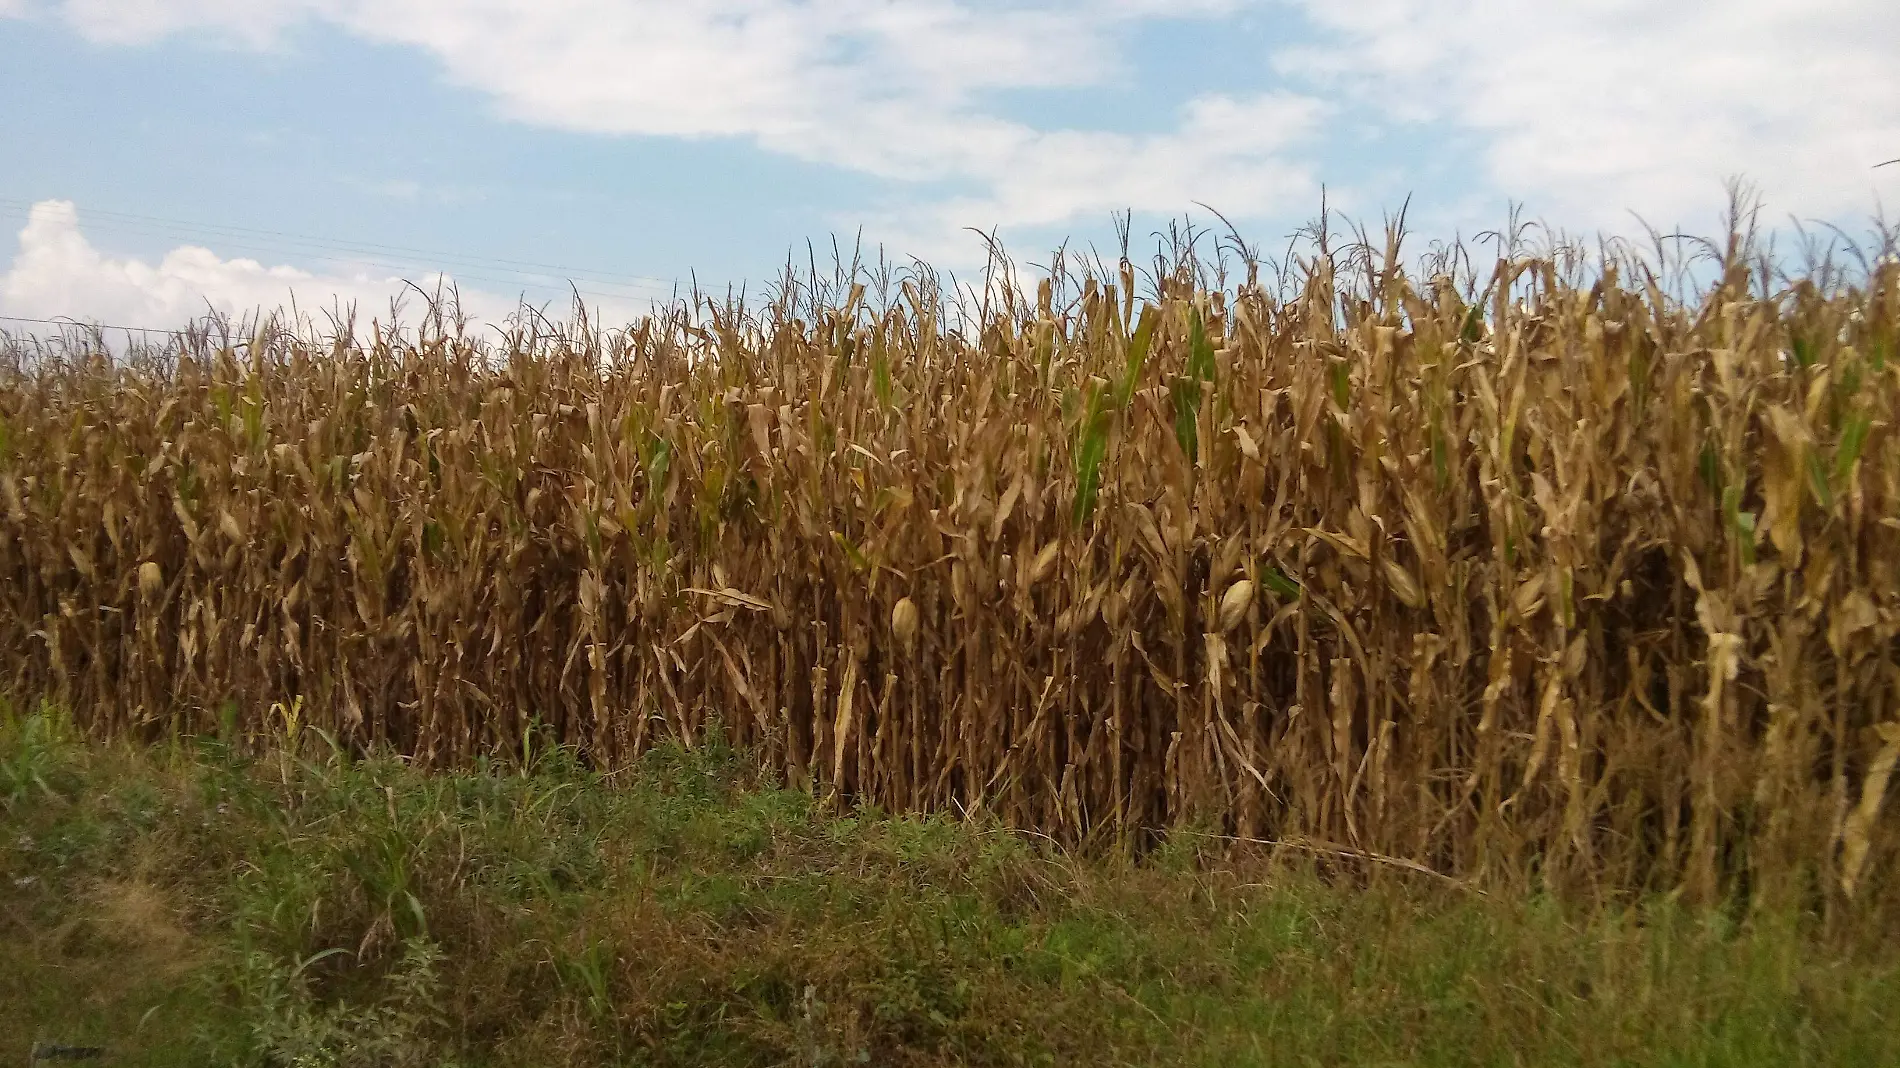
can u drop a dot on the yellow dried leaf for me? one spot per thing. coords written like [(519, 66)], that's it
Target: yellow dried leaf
[(1857, 832), (735, 598), (759, 418), (1344, 543), (1247, 446)]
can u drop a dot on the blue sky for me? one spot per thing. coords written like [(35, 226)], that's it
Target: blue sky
[(162, 156)]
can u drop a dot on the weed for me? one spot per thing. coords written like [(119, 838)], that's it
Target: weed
[(190, 909)]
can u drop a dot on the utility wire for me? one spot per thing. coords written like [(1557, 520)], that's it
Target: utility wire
[(81, 325)]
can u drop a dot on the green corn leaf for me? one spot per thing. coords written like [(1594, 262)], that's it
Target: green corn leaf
[(1849, 381), (1277, 581), (1200, 349), (1186, 391), (1709, 466), (1853, 436), (881, 377), (1817, 478), (1089, 476), (1186, 394), (1137, 356), (659, 460), (1474, 325), (1091, 448)]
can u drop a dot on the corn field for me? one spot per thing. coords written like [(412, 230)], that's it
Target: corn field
[(1548, 577)]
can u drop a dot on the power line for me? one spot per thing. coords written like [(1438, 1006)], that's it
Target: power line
[(79, 325)]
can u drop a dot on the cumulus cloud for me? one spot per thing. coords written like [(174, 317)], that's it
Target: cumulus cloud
[(1590, 109), (1235, 154), (867, 84), (58, 273), (897, 90), (1584, 109)]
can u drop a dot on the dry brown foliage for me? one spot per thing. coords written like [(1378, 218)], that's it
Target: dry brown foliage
[(1554, 579)]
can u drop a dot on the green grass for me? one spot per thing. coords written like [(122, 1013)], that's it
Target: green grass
[(191, 905)]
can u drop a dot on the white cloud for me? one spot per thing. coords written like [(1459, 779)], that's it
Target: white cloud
[(58, 273), (890, 88), (1232, 154), (1584, 109), (1589, 109), (829, 80)]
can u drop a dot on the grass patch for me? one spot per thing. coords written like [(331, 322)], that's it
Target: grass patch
[(193, 905)]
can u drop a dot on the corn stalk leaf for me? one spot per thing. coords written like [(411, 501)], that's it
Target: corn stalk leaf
[(1137, 355), (1091, 448)]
